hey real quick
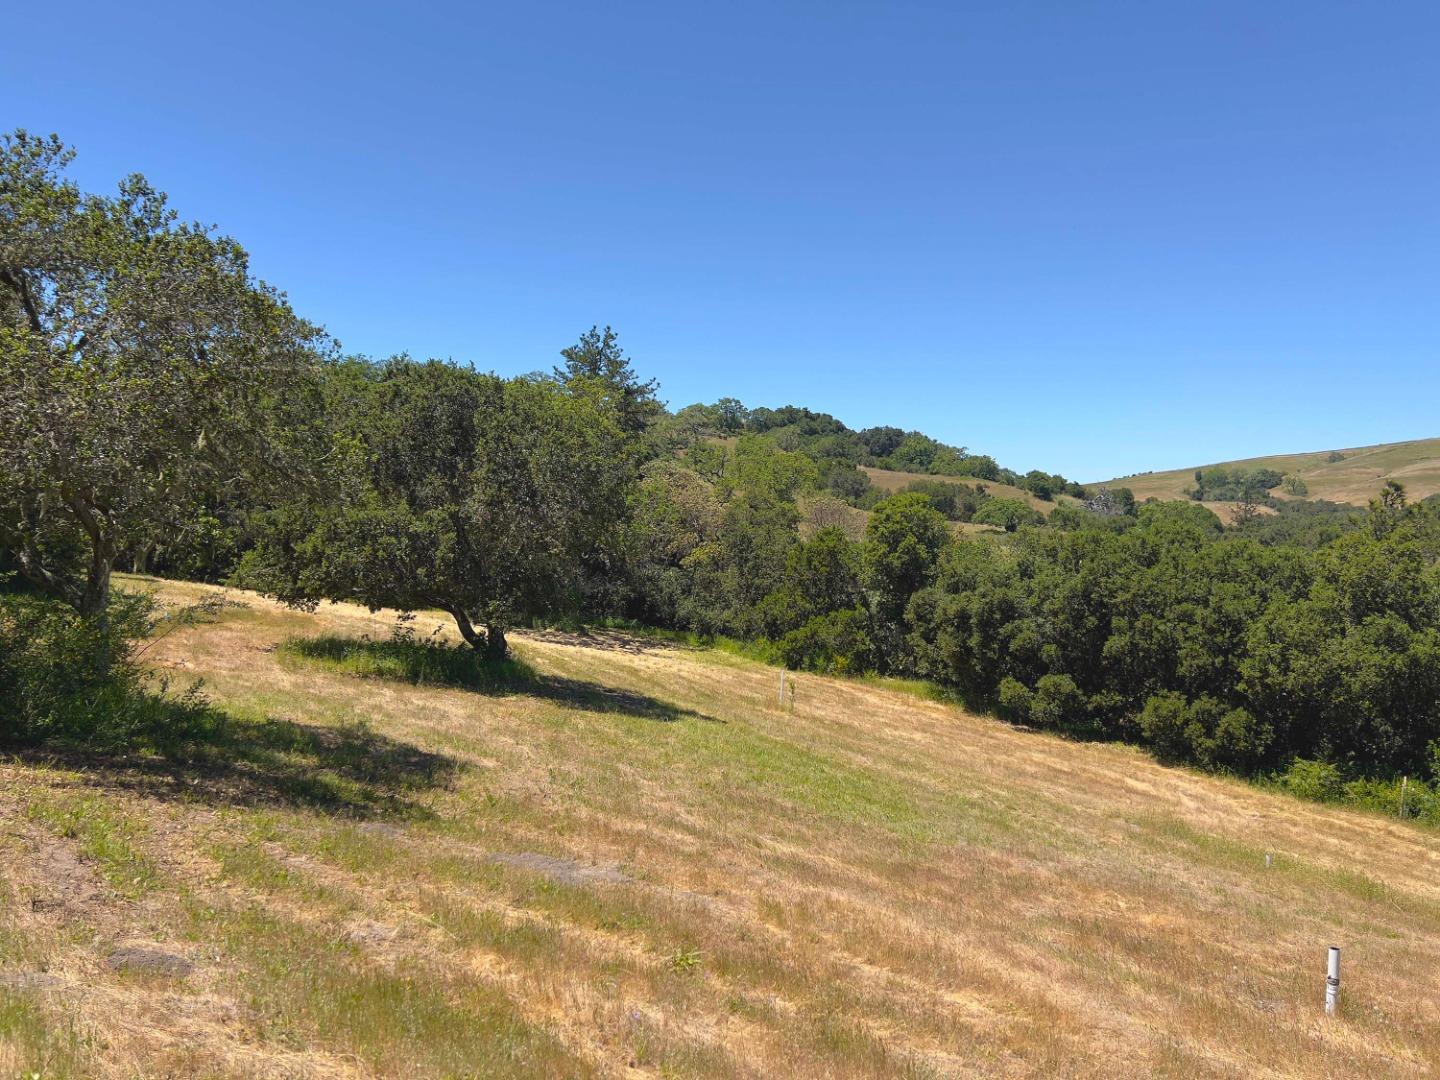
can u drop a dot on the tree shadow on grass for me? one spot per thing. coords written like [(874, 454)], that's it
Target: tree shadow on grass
[(193, 752), (436, 663)]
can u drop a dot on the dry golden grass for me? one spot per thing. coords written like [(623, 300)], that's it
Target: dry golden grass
[(872, 884), (892, 480), (1356, 479)]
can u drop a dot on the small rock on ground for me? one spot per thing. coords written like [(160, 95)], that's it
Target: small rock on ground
[(150, 962)]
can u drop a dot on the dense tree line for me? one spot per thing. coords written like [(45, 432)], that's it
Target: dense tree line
[(837, 450), (162, 410), (1219, 483)]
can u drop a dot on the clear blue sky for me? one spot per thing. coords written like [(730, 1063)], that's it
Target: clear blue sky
[(1090, 237)]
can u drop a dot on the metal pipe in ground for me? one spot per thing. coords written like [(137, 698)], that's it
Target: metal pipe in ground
[(1332, 981)]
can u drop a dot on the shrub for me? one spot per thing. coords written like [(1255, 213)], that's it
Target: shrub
[(838, 642), (1058, 704), (1009, 514), (1165, 721), (71, 679), (1014, 700), (1317, 780), (1204, 731), (1384, 796)]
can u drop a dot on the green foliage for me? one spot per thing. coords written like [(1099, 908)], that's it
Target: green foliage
[(980, 466), (1214, 649), (847, 481), (1204, 731), (597, 366), (1409, 797), (71, 679), (144, 373), (453, 490), (1305, 523), (406, 658), (1055, 704), (755, 466), (1181, 516), (1014, 700), (826, 441), (903, 542), (1234, 484), (1295, 485), (958, 502), (1046, 486), (1319, 781), (684, 961), (914, 454), (822, 574), (837, 642), (1009, 514)]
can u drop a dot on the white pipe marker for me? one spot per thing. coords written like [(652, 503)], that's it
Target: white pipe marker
[(1332, 981)]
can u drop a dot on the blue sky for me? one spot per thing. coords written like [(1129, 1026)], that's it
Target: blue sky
[(1088, 237)]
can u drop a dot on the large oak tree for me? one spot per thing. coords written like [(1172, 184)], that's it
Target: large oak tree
[(481, 497), (143, 371)]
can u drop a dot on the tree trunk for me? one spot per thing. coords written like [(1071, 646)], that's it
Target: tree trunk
[(491, 644), (496, 647), (96, 597), (472, 637)]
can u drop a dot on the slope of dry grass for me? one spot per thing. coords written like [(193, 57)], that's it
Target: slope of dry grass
[(1356, 479), (893, 480), (629, 860)]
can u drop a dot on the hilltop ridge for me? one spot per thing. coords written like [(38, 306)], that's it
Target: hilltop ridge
[(1345, 475)]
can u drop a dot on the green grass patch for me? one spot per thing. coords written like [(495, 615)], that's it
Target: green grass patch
[(46, 1050), (104, 835), (1221, 851), (404, 658), (308, 988)]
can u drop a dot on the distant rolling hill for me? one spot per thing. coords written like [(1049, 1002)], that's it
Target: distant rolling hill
[(1355, 477), (894, 480)]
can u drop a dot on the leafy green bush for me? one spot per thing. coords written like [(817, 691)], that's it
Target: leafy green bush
[(1058, 704), (1322, 781), (1218, 482), (1014, 699), (1165, 722), (1317, 780), (70, 679), (1205, 731), (838, 642), (1009, 514), (1420, 801)]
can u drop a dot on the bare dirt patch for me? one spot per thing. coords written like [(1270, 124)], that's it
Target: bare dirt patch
[(149, 960), (564, 871)]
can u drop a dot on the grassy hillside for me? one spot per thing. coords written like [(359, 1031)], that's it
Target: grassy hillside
[(1356, 478), (893, 480), (627, 859)]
